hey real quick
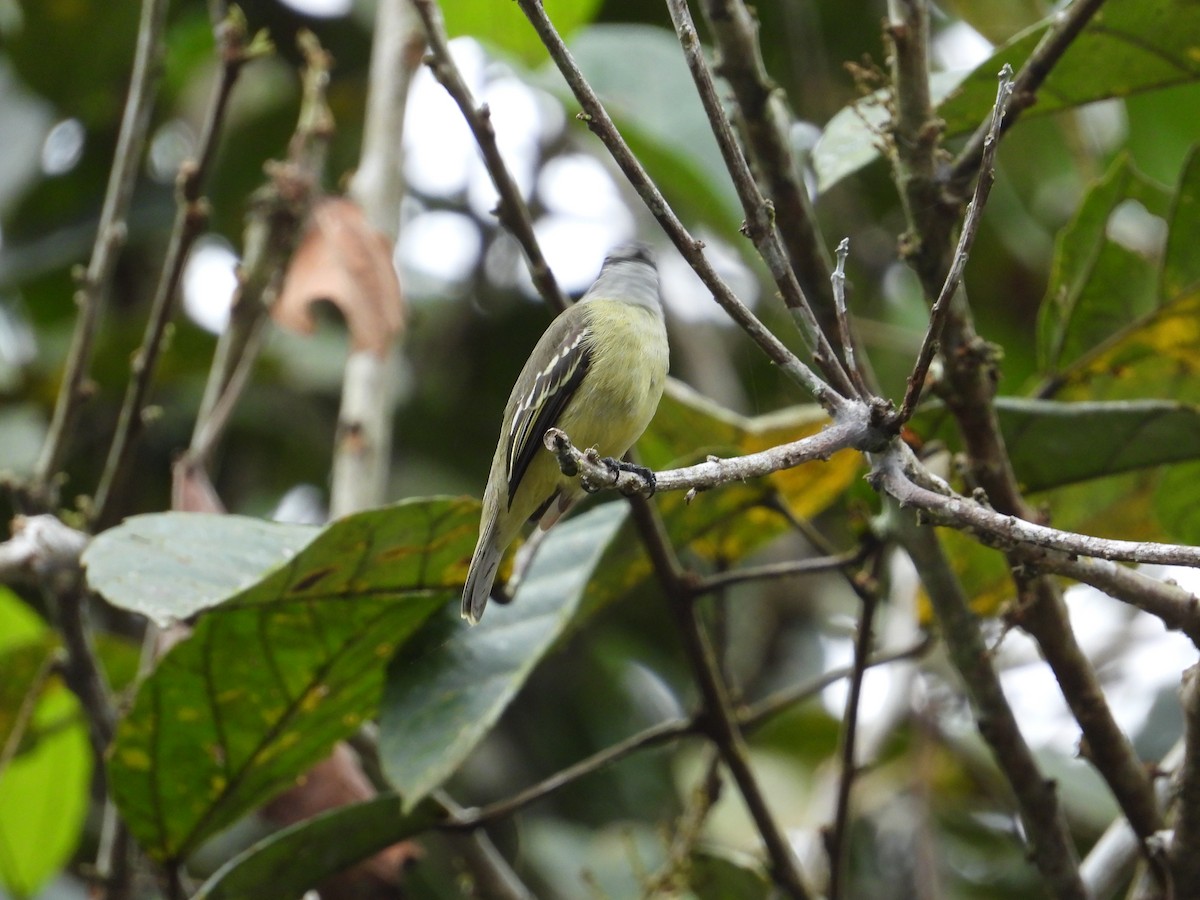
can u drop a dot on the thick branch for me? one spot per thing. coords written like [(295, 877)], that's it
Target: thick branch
[(1010, 532)]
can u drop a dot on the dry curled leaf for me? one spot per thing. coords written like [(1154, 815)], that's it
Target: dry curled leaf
[(343, 259)]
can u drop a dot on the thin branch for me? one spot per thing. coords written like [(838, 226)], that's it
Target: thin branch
[(1008, 532), (689, 247), (759, 225), (82, 669), (110, 239), (512, 210), (749, 718), (718, 581), (719, 719), (190, 219), (966, 239), (837, 281), (1054, 43), (762, 118)]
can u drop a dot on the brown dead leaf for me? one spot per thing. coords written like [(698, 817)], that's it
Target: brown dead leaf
[(342, 259), (191, 489)]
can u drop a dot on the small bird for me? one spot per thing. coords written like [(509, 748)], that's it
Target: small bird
[(597, 373)]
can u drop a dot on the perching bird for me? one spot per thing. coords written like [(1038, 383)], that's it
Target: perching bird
[(597, 373)]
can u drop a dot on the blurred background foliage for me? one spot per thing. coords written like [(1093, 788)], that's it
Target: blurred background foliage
[(64, 66)]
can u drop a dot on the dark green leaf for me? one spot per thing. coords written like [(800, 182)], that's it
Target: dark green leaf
[(272, 679), (299, 857), (446, 690)]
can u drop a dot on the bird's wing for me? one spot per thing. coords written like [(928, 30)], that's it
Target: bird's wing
[(541, 404)]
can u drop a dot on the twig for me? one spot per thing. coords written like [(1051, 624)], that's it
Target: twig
[(689, 247), (966, 239), (718, 581), (762, 117), (837, 281), (110, 239), (512, 210), (1071, 21), (719, 719), (1050, 844), (759, 225), (192, 214)]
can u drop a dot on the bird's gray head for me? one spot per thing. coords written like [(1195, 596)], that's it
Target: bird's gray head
[(629, 273)]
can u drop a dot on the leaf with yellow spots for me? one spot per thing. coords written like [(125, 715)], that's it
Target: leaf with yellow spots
[(276, 672)]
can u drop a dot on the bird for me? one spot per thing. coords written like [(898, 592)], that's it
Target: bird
[(597, 373)]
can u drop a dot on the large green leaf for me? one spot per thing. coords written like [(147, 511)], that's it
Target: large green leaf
[(446, 689), (1053, 443), (298, 858), (1145, 45), (1099, 285), (271, 679)]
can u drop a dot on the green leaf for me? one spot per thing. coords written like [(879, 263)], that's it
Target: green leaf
[(1053, 443), (503, 27), (169, 566), (1145, 45), (270, 680), (45, 786), (1097, 284), (446, 690), (299, 857)]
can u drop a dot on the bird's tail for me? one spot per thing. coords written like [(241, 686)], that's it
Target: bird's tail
[(481, 575)]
